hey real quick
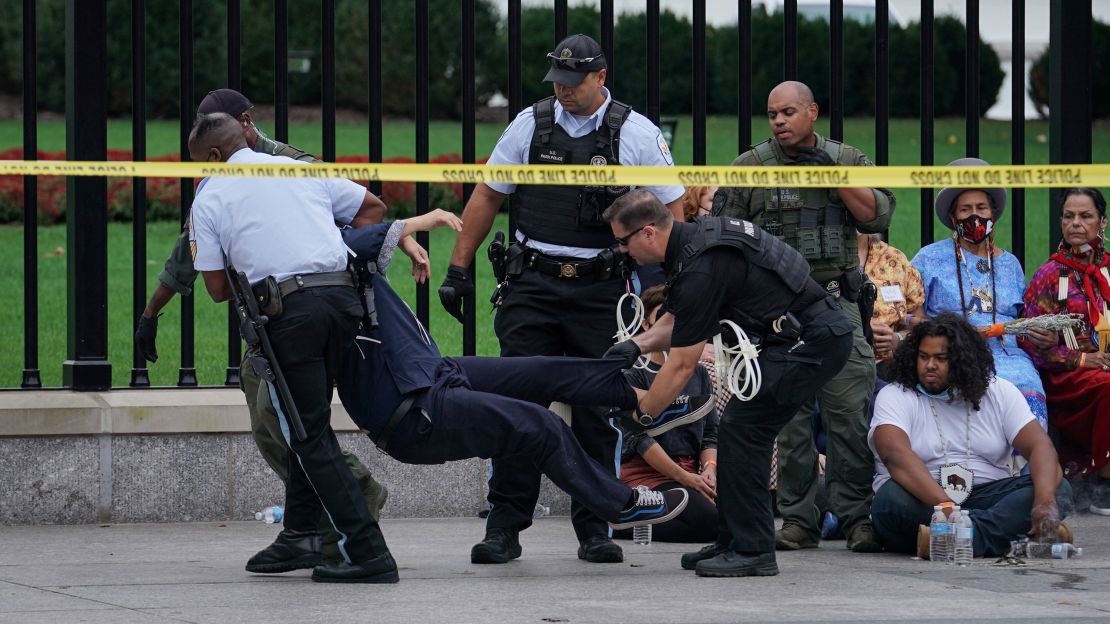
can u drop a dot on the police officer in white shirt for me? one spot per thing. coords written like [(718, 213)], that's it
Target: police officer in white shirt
[(284, 229), (564, 274)]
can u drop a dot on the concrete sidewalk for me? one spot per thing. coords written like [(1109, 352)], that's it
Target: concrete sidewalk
[(194, 573)]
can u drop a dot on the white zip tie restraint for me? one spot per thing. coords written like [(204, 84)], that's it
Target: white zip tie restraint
[(732, 362), (625, 331)]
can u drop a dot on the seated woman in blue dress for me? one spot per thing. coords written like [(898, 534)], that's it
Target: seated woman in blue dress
[(969, 275)]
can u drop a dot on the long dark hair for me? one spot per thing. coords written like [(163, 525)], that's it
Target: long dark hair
[(1086, 191), (970, 362)]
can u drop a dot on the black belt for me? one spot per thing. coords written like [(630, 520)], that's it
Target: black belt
[(567, 267), (292, 284), (398, 415)]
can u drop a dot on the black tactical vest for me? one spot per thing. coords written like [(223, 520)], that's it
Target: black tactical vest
[(570, 215), (777, 280)]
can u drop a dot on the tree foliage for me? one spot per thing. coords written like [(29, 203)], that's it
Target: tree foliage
[(628, 70)]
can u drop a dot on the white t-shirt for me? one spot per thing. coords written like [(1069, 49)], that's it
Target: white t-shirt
[(1003, 412), (272, 226)]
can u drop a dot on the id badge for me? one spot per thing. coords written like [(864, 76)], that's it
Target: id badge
[(892, 293), (956, 481)]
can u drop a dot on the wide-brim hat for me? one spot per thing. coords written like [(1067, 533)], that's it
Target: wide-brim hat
[(572, 71), (947, 196)]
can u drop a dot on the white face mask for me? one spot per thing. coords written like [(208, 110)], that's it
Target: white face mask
[(259, 131)]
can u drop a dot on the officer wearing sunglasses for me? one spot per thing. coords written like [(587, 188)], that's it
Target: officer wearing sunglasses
[(563, 278)]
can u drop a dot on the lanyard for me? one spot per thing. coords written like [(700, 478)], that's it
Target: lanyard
[(944, 442)]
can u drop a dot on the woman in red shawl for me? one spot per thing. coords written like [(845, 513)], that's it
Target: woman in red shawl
[(1076, 279)]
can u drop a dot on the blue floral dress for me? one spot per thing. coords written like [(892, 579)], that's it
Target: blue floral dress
[(937, 265)]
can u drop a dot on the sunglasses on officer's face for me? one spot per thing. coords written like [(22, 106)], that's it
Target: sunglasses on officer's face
[(623, 240), (569, 63)]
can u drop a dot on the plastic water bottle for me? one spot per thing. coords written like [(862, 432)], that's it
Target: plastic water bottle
[(938, 536), (641, 535), (1045, 550), (965, 532), (541, 510), (270, 515)]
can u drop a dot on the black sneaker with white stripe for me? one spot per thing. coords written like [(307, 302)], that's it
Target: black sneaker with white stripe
[(684, 410), (652, 507)]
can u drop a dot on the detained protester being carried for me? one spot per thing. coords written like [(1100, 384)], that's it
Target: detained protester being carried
[(422, 408), (943, 434), (714, 267)]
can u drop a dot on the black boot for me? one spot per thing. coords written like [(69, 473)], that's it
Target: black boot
[(731, 563), (380, 569), (292, 550), (690, 560), (499, 546)]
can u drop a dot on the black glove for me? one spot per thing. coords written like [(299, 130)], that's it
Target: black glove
[(455, 286), (811, 156), (146, 335), (628, 350)]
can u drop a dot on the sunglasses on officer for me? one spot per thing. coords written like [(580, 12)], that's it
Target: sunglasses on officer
[(569, 63), (623, 240)]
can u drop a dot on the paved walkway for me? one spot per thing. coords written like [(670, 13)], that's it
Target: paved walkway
[(194, 573)]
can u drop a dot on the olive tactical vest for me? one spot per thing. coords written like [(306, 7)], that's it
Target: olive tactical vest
[(823, 232), (778, 278), (570, 215)]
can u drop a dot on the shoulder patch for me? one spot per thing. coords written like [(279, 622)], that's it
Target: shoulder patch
[(664, 149)]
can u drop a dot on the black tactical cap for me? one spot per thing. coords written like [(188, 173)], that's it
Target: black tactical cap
[(227, 101), (573, 58)]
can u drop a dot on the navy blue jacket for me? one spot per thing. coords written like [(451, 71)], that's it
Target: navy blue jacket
[(391, 360)]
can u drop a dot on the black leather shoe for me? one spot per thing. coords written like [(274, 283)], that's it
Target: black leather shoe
[(292, 550), (600, 549), (690, 560), (380, 569), (731, 563), (499, 546)]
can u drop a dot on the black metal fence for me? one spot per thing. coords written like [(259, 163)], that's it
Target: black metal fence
[(87, 366)]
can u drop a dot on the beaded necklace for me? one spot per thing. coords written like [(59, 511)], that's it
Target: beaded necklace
[(961, 266)]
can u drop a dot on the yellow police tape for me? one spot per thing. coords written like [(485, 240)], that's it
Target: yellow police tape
[(1024, 176)]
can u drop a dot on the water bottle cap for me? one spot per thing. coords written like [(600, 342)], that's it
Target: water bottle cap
[(965, 512), (258, 515)]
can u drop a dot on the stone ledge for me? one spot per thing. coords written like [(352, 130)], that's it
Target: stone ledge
[(185, 455), (61, 412)]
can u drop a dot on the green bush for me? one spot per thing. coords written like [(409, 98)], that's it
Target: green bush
[(1100, 75)]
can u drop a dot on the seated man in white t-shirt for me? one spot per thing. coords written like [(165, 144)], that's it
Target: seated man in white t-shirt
[(943, 433)]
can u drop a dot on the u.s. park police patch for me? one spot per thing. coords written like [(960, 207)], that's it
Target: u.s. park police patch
[(663, 149)]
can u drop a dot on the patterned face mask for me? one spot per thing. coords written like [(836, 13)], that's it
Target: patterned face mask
[(975, 229)]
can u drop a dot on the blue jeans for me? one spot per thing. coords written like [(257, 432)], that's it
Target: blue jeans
[(1000, 512)]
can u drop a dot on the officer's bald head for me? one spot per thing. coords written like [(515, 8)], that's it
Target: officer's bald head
[(215, 137), (792, 111), (799, 92)]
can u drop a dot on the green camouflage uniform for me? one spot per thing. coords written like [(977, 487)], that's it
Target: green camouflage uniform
[(179, 275), (815, 222)]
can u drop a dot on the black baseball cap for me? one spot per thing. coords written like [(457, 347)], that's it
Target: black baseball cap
[(573, 58), (227, 101)]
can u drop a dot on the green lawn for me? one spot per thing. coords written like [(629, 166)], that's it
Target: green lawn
[(211, 319), (399, 140)]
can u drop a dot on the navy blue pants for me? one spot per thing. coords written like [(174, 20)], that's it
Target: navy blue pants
[(1000, 511), (490, 408), (547, 315)]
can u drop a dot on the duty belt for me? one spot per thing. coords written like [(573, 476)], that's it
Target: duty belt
[(568, 268), (291, 285)]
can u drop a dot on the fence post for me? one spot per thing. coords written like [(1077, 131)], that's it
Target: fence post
[(1069, 100), (86, 366)]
